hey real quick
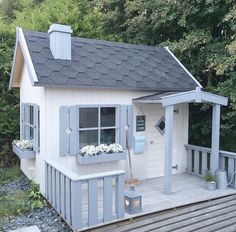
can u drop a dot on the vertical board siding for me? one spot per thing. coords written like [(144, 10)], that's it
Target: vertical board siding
[(68, 196)]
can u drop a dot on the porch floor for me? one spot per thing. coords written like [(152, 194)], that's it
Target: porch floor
[(186, 189)]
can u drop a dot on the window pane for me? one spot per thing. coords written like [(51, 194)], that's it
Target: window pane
[(88, 117), (26, 114), (108, 136), (108, 116), (28, 133), (88, 138), (31, 115)]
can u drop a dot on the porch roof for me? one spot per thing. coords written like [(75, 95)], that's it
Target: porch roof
[(172, 98)]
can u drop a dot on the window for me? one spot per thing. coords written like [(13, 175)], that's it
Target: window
[(30, 123), (97, 125), (160, 126)]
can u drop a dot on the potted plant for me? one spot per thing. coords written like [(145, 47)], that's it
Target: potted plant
[(102, 153), (211, 180), (23, 149)]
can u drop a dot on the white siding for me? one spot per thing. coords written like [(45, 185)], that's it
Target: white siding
[(147, 165), (31, 94)]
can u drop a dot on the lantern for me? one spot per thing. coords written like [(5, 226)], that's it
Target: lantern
[(133, 201)]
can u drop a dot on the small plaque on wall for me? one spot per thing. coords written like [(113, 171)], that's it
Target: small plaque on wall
[(140, 123)]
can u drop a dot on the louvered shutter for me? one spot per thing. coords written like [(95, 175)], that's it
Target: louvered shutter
[(130, 123), (74, 146), (36, 127), (64, 131)]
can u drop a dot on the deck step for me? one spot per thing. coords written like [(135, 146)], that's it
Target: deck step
[(172, 220)]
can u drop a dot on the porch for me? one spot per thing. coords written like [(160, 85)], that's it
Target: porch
[(89, 201)]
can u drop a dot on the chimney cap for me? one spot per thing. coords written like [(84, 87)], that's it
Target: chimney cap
[(60, 28)]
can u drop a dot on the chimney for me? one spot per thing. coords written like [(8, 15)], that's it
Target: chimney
[(60, 41)]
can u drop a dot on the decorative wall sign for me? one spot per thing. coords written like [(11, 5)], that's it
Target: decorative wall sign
[(140, 123)]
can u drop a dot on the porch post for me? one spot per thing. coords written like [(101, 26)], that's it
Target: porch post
[(215, 137), (168, 148)]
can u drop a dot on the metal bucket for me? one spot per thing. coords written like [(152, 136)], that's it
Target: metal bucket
[(221, 179)]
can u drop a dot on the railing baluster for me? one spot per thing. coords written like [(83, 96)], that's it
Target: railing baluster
[(67, 200), (107, 199), (76, 204), (92, 202), (53, 187), (231, 167), (58, 191), (62, 195), (222, 162), (189, 161), (196, 162), (50, 184), (120, 196), (204, 163)]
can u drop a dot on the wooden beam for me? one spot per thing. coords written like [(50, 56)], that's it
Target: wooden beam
[(215, 137), (168, 148)]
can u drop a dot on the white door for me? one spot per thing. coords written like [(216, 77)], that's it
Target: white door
[(155, 142)]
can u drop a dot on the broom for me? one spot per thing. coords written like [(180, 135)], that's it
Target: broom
[(132, 181)]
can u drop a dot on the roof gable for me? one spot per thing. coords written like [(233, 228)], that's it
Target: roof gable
[(21, 56)]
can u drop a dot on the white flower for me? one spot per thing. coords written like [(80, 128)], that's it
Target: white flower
[(23, 144), (103, 148)]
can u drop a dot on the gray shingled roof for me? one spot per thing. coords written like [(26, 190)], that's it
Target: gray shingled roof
[(100, 63)]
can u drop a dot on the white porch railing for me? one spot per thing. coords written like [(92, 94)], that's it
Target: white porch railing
[(84, 201), (198, 161)]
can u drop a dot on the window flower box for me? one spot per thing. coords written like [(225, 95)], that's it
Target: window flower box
[(23, 149), (23, 154), (100, 154), (103, 157)]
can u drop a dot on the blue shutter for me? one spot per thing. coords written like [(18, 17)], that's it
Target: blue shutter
[(130, 124), (74, 148), (64, 137), (36, 127), (123, 119), (22, 119)]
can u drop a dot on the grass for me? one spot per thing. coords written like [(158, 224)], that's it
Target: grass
[(10, 174), (17, 202)]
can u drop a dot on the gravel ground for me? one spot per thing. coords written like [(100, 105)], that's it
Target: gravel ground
[(46, 218)]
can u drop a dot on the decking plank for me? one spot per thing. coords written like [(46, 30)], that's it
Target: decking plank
[(165, 215), (181, 221), (199, 221), (231, 228), (210, 224)]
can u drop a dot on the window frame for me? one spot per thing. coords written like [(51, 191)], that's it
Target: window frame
[(25, 122), (99, 127)]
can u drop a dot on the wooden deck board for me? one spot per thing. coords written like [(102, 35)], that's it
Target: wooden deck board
[(214, 215)]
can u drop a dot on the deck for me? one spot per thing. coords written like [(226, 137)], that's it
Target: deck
[(209, 216), (187, 190)]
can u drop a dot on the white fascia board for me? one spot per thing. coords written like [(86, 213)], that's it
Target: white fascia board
[(14, 61), (194, 96), (26, 54), (217, 99), (186, 70), (179, 98)]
